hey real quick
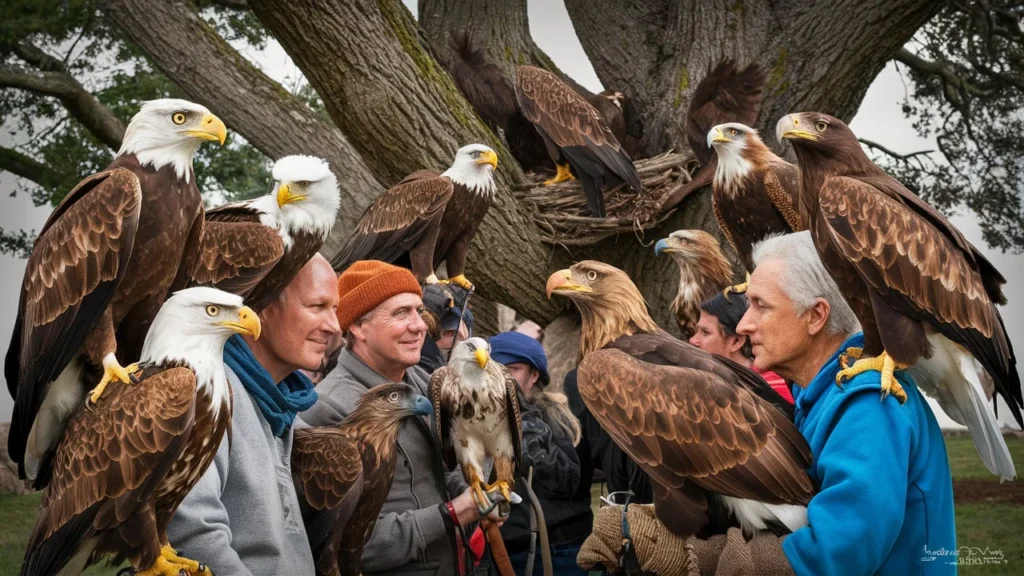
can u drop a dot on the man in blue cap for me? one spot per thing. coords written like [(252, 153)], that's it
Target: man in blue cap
[(550, 433)]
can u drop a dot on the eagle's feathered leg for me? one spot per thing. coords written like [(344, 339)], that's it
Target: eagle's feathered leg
[(740, 288), (100, 348), (483, 504), (884, 364), (112, 370), (562, 174), (504, 469)]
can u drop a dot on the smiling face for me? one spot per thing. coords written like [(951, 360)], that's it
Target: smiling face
[(389, 337)]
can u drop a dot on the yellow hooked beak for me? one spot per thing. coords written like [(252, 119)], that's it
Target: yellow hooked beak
[(561, 281), (248, 323), (481, 357), (285, 196), (488, 157), (720, 136), (210, 128), (789, 128)]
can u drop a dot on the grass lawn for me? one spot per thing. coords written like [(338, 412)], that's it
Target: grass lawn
[(987, 516)]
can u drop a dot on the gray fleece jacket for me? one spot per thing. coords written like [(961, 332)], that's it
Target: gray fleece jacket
[(410, 536), (243, 516)]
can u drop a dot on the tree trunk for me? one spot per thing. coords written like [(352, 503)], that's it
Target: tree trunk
[(209, 71), (402, 112)]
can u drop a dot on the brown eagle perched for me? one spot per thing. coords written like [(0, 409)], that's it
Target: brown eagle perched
[(427, 218), (717, 442), (924, 295), (255, 248), (754, 193), (703, 272), (726, 94), (125, 465), (104, 262), (476, 410), (576, 135), (343, 474)]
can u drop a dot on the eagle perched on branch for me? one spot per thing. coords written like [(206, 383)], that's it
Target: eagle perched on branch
[(343, 474), (125, 465), (717, 442), (476, 410), (924, 295)]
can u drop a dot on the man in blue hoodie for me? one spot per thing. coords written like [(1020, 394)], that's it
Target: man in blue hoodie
[(885, 498)]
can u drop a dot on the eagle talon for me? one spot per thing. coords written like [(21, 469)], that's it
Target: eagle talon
[(460, 281), (562, 174), (740, 288), (851, 352), (882, 363), (112, 371)]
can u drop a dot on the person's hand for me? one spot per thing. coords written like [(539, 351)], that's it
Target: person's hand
[(465, 510)]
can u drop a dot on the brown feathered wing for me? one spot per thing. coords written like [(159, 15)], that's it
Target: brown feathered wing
[(237, 250)]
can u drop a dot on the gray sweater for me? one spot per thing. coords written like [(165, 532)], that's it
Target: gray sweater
[(243, 516), (410, 535)]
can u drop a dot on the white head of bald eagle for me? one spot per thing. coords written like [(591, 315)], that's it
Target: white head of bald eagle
[(474, 168), (305, 197), (191, 329), (168, 132)]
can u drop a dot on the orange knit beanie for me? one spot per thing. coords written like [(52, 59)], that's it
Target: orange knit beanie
[(368, 283)]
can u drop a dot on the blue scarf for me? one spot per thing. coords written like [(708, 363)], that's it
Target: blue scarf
[(279, 402)]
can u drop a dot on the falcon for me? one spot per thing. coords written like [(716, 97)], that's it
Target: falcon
[(925, 296), (125, 465), (104, 262), (726, 94), (476, 411), (255, 248), (717, 442), (575, 134), (343, 474), (427, 218), (703, 272)]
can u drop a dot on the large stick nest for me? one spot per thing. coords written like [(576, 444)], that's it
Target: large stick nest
[(560, 210)]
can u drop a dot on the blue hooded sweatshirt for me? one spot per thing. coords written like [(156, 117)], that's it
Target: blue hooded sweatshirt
[(885, 504)]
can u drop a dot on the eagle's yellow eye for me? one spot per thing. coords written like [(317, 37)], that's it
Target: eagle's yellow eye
[(591, 275), (303, 183), (178, 118), (212, 310), (393, 397), (733, 132), (821, 126)]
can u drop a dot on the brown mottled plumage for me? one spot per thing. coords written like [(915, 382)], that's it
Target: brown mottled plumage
[(703, 272), (104, 262), (575, 132), (343, 474), (709, 432), (123, 466), (922, 292)]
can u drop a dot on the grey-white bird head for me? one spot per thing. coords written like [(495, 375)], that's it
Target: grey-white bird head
[(474, 167), (470, 354), (168, 132), (733, 143), (306, 194)]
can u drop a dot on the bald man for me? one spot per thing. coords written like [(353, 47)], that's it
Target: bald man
[(243, 516)]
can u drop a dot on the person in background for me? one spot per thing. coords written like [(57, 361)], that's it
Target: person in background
[(379, 312), (716, 333), (441, 314), (243, 516), (550, 433)]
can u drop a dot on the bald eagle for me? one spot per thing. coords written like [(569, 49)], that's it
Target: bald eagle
[(427, 218), (924, 295), (703, 272), (343, 474), (717, 442), (476, 411), (255, 248), (123, 466), (104, 262), (576, 135)]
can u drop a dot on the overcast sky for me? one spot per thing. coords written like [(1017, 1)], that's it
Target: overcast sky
[(879, 119)]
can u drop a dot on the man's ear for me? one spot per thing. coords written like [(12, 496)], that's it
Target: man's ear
[(735, 342), (817, 316), (356, 333)]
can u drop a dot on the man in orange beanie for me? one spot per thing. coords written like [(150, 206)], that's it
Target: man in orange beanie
[(378, 310)]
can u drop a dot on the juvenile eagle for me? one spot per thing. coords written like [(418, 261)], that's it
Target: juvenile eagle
[(476, 410), (924, 295), (427, 218), (343, 474), (717, 442), (703, 272), (124, 466), (104, 262), (255, 248)]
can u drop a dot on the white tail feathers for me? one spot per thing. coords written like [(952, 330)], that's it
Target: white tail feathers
[(753, 515)]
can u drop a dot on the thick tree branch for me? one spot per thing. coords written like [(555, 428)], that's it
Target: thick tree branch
[(945, 73), (79, 102), (209, 71), (21, 165)]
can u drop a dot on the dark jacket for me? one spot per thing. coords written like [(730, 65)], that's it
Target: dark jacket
[(561, 487), (621, 473)]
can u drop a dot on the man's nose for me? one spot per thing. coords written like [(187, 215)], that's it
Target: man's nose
[(331, 324), (417, 324), (746, 325)]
